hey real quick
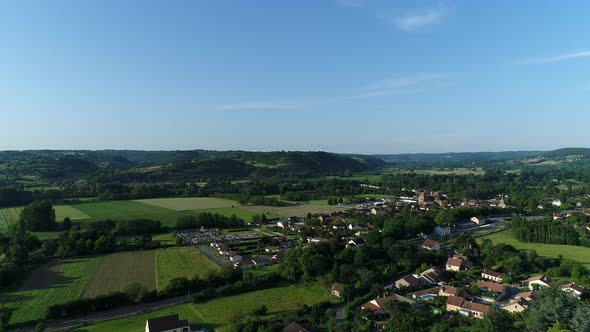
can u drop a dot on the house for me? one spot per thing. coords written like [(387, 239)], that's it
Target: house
[(297, 327), (466, 308), (336, 288), (556, 202), (432, 276), (539, 281), (235, 257), (517, 305), (574, 289), (407, 281), (272, 249), (169, 323), (378, 212), (355, 242), (456, 263), (492, 275), (490, 286), (431, 245), (438, 291), (377, 305), (478, 220), (442, 230), (558, 216), (317, 239)]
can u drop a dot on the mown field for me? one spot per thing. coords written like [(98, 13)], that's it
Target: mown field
[(300, 210), (181, 262), (575, 253), (218, 313), (70, 279), (116, 270), (189, 203), (52, 283)]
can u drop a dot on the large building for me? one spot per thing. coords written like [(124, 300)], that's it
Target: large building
[(170, 323)]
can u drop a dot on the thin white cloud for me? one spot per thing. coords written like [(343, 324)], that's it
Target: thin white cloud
[(555, 58), (375, 89), (415, 21)]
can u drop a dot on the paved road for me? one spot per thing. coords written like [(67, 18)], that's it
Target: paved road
[(64, 324), (212, 256)]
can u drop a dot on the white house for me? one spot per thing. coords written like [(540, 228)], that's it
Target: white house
[(442, 230), (540, 281), (478, 220), (574, 289), (492, 275), (169, 323), (556, 202)]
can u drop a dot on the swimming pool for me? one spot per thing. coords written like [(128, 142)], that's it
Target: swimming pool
[(426, 297)]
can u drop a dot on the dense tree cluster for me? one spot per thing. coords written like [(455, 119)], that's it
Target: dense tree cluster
[(545, 231)]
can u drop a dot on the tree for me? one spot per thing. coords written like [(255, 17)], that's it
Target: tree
[(557, 327), (38, 216), (135, 291), (551, 305), (5, 314), (580, 322), (67, 224), (495, 320)]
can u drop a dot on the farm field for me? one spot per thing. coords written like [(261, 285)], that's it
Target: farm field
[(117, 210), (51, 283), (296, 210), (178, 262), (189, 203), (9, 216), (218, 313), (116, 270), (575, 253), (62, 211)]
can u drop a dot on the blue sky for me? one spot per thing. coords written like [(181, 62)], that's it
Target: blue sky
[(356, 76)]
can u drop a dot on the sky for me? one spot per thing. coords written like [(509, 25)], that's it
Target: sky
[(349, 76)]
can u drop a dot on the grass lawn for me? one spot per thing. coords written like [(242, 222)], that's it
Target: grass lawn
[(52, 283), (575, 253), (296, 210), (165, 238), (181, 262), (116, 270), (189, 203), (218, 313)]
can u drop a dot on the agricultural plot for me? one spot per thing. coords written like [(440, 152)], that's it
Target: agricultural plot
[(116, 270), (52, 283), (9, 216), (575, 253), (181, 262), (118, 210), (189, 203), (217, 314), (300, 210), (62, 211)]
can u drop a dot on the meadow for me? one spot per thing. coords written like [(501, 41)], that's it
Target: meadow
[(575, 253), (189, 203), (178, 262), (218, 313), (116, 270), (51, 283), (300, 210)]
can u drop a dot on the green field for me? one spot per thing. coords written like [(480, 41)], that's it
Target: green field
[(575, 253), (300, 210), (117, 210), (219, 313), (62, 211), (52, 283), (181, 262), (189, 203), (116, 270), (9, 216)]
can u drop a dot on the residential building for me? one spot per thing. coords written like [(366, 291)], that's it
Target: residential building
[(556, 202), (466, 308), (456, 263), (431, 245), (432, 276), (478, 220), (170, 323), (408, 281), (574, 289), (336, 288), (517, 305), (297, 327), (539, 281), (442, 230), (493, 275), (490, 286)]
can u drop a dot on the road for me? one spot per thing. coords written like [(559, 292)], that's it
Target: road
[(212, 256), (65, 324)]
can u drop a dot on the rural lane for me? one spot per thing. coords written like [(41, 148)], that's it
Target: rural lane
[(212, 256), (64, 324)]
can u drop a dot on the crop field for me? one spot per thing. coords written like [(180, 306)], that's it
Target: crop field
[(218, 313), (117, 210), (189, 203), (51, 283), (9, 216), (575, 253), (181, 262), (300, 210), (116, 270), (62, 211)]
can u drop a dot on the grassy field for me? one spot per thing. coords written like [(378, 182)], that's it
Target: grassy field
[(62, 211), (296, 210), (575, 253), (120, 210), (181, 262), (52, 283), (219, 313), (9, 216), (189, 203), (118, 269)]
